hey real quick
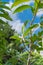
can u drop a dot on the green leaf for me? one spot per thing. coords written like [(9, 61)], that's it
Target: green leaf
[(17, 2), (6, 16), (0, 64), (39, 49), (15, 37), (35, 46), (2, 3), (40, 5), (3, 11), (5, 7), (26, 22), (21, 8), (24, 53), (41, 24), (34, 38), (24, 26), (8, 63), (33, 9), (30, 28), (26, 32), (34, 26), (40, 33), (37, 1), (1, 21), (40, 43)]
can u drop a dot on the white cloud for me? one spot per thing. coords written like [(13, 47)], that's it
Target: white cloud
[(40, 12), (41, 53), (16, 23), (10, 4)]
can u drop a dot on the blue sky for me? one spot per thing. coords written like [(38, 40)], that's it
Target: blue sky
[(22, 17), (25, 15)]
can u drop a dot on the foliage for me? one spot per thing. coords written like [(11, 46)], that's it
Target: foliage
[(19, 49), (28, 38), (3, 12)]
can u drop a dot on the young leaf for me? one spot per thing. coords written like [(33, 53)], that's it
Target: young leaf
[(1, 21), (3, 11), (6, 16), (21, 8), (40, 5), (15, 37), (24, 26), (26, 22), (5, 7), (41, 24), (17, 2), (30, 28)]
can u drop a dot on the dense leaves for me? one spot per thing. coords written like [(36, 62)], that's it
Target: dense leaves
[(29, 37), (4, 13), (23, 48)]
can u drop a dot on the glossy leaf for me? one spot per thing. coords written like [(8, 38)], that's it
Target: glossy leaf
[(21, 8), (6, 16), (30, 28), (15, 37), (24, 26), (5, 7), (4, 13), (17, 2)]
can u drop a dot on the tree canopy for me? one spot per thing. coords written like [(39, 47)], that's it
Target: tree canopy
[(24, 48)]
